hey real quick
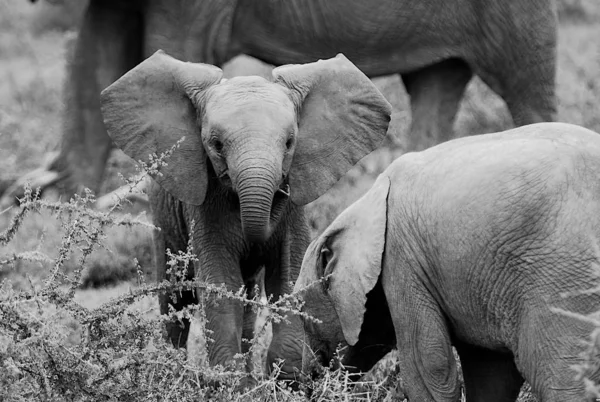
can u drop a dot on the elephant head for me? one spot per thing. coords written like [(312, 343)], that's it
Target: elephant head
[(269, 142), (340, 281)]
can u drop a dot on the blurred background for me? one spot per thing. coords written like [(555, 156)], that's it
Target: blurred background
[(36, 38)]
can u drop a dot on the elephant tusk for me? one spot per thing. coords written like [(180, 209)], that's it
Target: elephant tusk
[(285, 190)]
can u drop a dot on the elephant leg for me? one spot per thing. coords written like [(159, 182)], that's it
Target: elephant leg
[(425, 356), (109, 43), (435, 94), (286, 344), (173, 236), (220, 267), (522, 72), (527, 87), (550, 345), (489, 376), (224, 323), (281, 274), (249, 324), (177, 331), (532, 99)]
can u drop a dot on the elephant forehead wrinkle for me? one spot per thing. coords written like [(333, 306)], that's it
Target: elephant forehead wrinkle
[(239, 109), (254, 119), (248, 80), (250, 89)]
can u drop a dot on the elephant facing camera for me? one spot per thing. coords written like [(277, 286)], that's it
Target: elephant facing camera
[(254, 153)]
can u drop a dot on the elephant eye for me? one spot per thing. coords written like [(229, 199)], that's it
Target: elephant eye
[(217, 145), (290, 142), (325, 258), (325, 254)]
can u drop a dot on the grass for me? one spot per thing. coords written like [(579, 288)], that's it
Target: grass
[(33, 42)]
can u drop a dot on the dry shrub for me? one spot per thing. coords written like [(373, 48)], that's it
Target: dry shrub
[(55, 348)]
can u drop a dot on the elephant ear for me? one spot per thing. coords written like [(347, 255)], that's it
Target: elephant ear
[(357, 247), (342, 118), (150, 108)]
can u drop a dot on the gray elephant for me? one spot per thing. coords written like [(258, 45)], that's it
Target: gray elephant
[(254, 152), (436, 46), (470, 243)]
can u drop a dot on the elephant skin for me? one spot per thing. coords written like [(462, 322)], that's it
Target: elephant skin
[(472, 244), (251, 153), (436, 46)]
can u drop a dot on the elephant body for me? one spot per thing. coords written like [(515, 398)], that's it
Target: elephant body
[(436, 47), (471, 244), (243, 157), (224, 256)]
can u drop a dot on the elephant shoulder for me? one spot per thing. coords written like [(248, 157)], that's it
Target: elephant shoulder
[(406, 166), (411, 171)]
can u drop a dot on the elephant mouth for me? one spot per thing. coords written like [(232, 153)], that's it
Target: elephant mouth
[(225, 179), (280, 198), (284, 190)]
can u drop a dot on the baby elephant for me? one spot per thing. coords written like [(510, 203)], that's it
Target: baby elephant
[(254, 152), (470, 243)]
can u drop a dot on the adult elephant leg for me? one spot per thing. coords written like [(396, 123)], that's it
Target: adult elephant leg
[(435, 94), (528, 88), (489, 376), (108, 45), (425, 357), (523, 69)]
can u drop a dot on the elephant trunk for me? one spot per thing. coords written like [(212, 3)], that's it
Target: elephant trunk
[(261, 201)]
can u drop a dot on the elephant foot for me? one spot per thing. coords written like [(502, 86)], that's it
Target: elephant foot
[(288, 372), (246, 383)]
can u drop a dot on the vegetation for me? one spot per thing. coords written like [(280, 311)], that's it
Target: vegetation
[(78, 310)]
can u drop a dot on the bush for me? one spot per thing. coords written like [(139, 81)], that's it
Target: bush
[(54, 348), (127, 252)]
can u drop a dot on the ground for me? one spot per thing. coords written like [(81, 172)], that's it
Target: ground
[(34, 40)]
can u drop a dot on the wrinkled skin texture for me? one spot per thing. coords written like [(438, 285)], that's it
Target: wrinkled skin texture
[(251, 154), (436, 47), (471, 242)]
